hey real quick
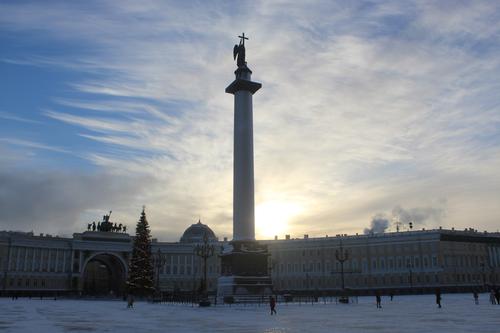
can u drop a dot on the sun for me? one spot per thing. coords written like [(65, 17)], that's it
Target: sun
[(272, 218)]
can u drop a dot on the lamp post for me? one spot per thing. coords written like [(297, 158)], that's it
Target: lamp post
[(410, 277), (159, 261), (275, 271), (483, 273), (342, 256), (204, 251)]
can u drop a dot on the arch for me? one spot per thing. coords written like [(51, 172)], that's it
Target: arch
[(104, 274), (117, 256)]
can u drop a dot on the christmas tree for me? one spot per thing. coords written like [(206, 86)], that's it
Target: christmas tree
[(140, 276)]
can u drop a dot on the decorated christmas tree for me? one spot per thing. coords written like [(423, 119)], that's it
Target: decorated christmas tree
[(140, 276)]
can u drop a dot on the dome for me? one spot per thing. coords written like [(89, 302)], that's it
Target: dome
[(195, 233)]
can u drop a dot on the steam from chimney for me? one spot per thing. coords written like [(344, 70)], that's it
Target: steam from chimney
[(417, 215), (378, 225)]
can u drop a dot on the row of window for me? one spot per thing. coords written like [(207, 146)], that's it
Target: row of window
[(377, 264), (463, 260), (39, 260), (188, 270), (362, 250), (26, 283), (408, 279)]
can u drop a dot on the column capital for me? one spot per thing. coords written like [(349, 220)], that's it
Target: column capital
[(241, 84)]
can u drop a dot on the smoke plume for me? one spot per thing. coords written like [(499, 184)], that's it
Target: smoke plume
[(378, 225), (417, 216)]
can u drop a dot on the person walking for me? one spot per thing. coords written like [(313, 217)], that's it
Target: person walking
[(378, 298), (476, 297), (438, 297), (130, 301), (272, 305), (492, 297), (497, 295)]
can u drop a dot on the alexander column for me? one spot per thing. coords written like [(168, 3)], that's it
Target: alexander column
[(244, 261), (243, 181)]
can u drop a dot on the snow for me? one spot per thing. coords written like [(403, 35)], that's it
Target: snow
[(404, 314)]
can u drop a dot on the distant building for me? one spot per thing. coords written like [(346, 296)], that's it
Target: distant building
[(96, 262)]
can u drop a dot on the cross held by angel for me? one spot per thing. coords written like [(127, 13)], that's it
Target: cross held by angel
[(239, 51)]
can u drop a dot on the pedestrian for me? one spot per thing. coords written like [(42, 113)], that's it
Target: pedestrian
[(130, 301), (272, 304), (492, 296), (378, 299), (438, 297), (497, 296), (476, 297), (391, 295)]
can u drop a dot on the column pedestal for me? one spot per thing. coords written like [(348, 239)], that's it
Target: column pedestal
[(244, 272)]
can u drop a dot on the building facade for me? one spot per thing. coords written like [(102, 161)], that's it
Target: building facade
[(96, 262)]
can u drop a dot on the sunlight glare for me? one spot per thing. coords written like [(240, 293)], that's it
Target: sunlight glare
[(272, 218)]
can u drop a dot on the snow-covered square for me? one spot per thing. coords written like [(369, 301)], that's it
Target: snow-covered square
[(403, 314)]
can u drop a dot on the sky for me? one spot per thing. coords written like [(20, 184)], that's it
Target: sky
[(370, 112)]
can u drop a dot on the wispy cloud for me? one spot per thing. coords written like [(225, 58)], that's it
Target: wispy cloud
[(10, 116), (33, 144)]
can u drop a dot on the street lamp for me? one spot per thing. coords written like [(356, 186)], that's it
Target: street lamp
[(159, 261), (204, 251), (275, 271), (342, 256), (410, 277), (483, 273)]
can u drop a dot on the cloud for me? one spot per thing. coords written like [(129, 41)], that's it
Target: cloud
[(33, 144), (363, 104), (419, 216), (62, 202), (10, 116), (378, 225)]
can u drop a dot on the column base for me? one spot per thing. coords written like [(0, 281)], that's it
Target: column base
[(245, 274)]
